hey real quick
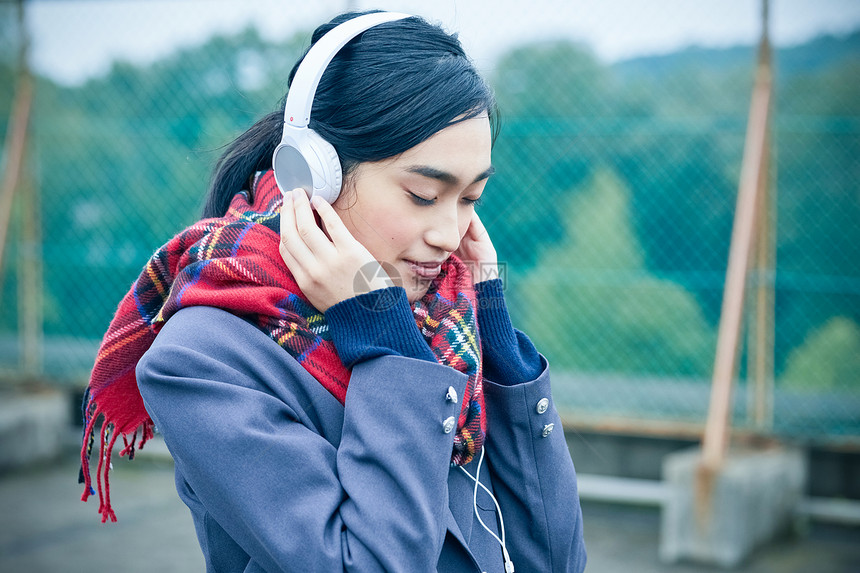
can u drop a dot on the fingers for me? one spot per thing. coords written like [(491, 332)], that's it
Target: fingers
[(307, 227), (332, 223), (300, 235), (292, 264), (476, 227), (324, 262), (293, 248), (477, 251)]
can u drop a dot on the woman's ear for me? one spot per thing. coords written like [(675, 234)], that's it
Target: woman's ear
[(348, 197)]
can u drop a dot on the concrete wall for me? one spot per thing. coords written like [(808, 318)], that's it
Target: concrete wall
[(34, 427)]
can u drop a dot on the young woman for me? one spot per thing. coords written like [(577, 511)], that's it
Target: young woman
[(331, 379)]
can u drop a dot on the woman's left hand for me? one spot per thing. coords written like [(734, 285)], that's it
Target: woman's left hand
[(477, 251)]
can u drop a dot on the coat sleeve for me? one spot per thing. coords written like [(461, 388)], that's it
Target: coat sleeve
[(248, 445), (534, 477)]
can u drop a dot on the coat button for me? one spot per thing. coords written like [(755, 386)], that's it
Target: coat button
[(449, 424), (542, 405), (451, 396), (547, 430)]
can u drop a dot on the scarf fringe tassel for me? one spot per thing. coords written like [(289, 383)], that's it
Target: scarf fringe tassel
[(108, 437)]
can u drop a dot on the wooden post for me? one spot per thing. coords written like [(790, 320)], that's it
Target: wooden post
[(30, 297), (760, 357), (29, 260), (15, 146), (753, 181)]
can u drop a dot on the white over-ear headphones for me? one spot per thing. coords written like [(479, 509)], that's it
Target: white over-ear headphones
[(303, 158)]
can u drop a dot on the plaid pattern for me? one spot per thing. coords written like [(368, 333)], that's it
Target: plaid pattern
[(453, 337), (214, 263)]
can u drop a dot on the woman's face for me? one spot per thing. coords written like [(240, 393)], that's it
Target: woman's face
[(411, 211)]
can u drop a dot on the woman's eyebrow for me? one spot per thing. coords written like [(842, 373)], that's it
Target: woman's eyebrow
[(445, 176)]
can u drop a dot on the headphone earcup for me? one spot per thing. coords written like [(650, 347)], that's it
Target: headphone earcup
[(330, 179), (304, 159)]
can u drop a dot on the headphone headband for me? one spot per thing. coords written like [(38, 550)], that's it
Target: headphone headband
[(297, 111), (303, 158)]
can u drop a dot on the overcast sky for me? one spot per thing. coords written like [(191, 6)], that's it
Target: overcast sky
[(74, 40)]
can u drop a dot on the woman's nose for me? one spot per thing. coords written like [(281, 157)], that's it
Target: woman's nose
[(444, 231)]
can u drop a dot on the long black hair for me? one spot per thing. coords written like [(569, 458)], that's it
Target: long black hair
[(386, 91)]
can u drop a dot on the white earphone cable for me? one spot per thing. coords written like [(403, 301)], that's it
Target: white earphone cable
[(509, 566)]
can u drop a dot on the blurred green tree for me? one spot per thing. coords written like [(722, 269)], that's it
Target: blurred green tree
[(818, 217), (829, 359), (124, 161), (549, 94), (594, 307)]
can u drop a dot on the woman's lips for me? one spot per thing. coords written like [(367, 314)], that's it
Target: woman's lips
[(425, 270)]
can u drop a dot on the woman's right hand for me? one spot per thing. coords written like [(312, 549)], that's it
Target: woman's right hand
[(329, 264)]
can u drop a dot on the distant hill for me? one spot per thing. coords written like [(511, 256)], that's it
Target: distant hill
[(811, 57)]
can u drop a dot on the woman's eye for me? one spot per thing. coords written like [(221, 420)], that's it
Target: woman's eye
[(472, 202), (418, 200)]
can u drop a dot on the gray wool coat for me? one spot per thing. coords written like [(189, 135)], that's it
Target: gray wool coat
[(279, 476)]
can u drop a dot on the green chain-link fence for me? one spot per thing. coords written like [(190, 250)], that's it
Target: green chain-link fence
[(612, 208)]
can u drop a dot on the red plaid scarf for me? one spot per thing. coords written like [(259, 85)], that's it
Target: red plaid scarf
[(214, 263)]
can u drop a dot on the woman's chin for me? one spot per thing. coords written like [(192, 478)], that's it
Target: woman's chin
[(416, 290)]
